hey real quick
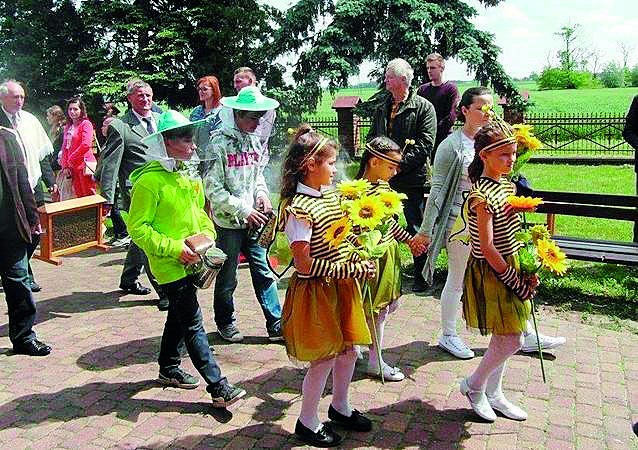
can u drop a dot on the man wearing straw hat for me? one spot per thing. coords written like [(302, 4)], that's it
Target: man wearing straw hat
[(167, 207), (236, 188)]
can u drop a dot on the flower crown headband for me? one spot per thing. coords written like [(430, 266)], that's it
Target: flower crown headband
[(504, 127)]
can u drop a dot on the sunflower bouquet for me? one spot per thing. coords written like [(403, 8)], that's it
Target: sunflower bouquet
[(538, 252), (363, 227), (526, 142)]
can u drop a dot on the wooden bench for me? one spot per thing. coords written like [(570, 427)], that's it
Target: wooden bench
[(606, 206)]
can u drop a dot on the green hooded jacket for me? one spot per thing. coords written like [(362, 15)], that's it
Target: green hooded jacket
[(166, 208)]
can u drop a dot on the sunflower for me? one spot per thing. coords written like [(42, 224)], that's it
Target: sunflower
[(392, 202), (367, 212), (524, 137), (338, 231), (539, 232), (551, 256), (523, 204), (353, 189)]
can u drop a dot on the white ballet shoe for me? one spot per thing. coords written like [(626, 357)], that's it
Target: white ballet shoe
[(389, 373), (478, 402), (508, 409)]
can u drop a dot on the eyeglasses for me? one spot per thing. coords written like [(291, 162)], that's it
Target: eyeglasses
[(203, 88)]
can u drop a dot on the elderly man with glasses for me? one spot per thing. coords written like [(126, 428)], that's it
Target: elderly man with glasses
[(233, 165)]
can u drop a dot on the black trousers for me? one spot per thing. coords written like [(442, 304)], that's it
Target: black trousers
[(17, 289)]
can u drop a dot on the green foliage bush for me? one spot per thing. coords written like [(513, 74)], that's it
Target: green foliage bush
[(633, 76), (556, 78), (613, 76)]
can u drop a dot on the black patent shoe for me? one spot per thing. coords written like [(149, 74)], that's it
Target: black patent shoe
[(32, 348), (323, 438), (135, 289), (356, 422)]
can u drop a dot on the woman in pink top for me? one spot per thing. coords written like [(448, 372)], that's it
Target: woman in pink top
[(77, 148)]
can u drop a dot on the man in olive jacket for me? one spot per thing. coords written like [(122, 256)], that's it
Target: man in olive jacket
[(406, 116), (19, 223), (124, 152)]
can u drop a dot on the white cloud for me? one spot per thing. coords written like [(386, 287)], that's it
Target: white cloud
[(525, 30)]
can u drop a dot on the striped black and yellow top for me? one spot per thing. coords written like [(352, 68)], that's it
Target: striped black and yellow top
[(320, 213), (506, 222), (395, 231)]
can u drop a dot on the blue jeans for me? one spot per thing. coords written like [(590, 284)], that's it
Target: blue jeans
[(184, 325), (232, 242), (17, 289)]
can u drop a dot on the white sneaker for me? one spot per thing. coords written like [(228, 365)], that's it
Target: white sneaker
[(455, 346), (547, 342), (478, 402), (507, 408), (389, 373)]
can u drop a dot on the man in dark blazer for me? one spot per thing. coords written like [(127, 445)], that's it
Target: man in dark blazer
[(35, 144), (19, 223), (123, 152)]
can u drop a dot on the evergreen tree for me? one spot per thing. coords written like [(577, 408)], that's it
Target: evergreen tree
[(332, 38)]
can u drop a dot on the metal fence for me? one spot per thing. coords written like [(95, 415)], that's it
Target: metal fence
[(562, 135), (583, 135)]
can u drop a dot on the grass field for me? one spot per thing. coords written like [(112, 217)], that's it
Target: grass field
[(594, 179), (580, 101)]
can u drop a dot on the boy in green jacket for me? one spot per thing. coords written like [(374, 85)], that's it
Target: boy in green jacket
[(166, 208)]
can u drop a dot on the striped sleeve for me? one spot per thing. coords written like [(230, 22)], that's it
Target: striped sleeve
[(398, 232)]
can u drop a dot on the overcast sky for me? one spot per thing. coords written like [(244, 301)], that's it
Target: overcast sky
[(524, 30)]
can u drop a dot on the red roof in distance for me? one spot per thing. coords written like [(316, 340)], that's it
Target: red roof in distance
[(346, 101)]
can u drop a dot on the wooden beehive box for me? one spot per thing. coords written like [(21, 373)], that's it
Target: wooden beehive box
[(70, 226)]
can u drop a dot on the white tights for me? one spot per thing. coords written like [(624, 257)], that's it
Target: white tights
[(379, 322), (457, 253), (488, 375), (314, 383)]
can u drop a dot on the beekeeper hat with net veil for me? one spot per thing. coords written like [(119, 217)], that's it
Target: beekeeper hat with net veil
[(171, 124), (250, 102)]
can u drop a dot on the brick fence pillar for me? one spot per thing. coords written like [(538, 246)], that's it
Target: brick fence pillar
[(347, 122)]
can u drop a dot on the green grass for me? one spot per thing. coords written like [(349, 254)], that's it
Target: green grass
[(579, 101), (593, 179)]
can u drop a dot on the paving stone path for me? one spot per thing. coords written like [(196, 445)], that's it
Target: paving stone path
[(97, 389)]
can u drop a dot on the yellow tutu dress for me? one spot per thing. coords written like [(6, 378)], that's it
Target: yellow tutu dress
[(322, 315), (488, 305)]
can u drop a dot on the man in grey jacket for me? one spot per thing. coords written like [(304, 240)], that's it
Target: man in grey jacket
[(124, 152)]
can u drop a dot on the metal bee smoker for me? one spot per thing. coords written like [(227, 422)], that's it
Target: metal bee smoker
[(205, 272)]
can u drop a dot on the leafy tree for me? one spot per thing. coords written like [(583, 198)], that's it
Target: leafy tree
[(39, 44), (634, 76), (379, 30), (556, 78), (569, 57), (613, 76), (171, 43)]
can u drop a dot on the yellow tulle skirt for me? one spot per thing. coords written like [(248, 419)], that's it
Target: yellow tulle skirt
[(322, 317), (488, 305), (385, 288)]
